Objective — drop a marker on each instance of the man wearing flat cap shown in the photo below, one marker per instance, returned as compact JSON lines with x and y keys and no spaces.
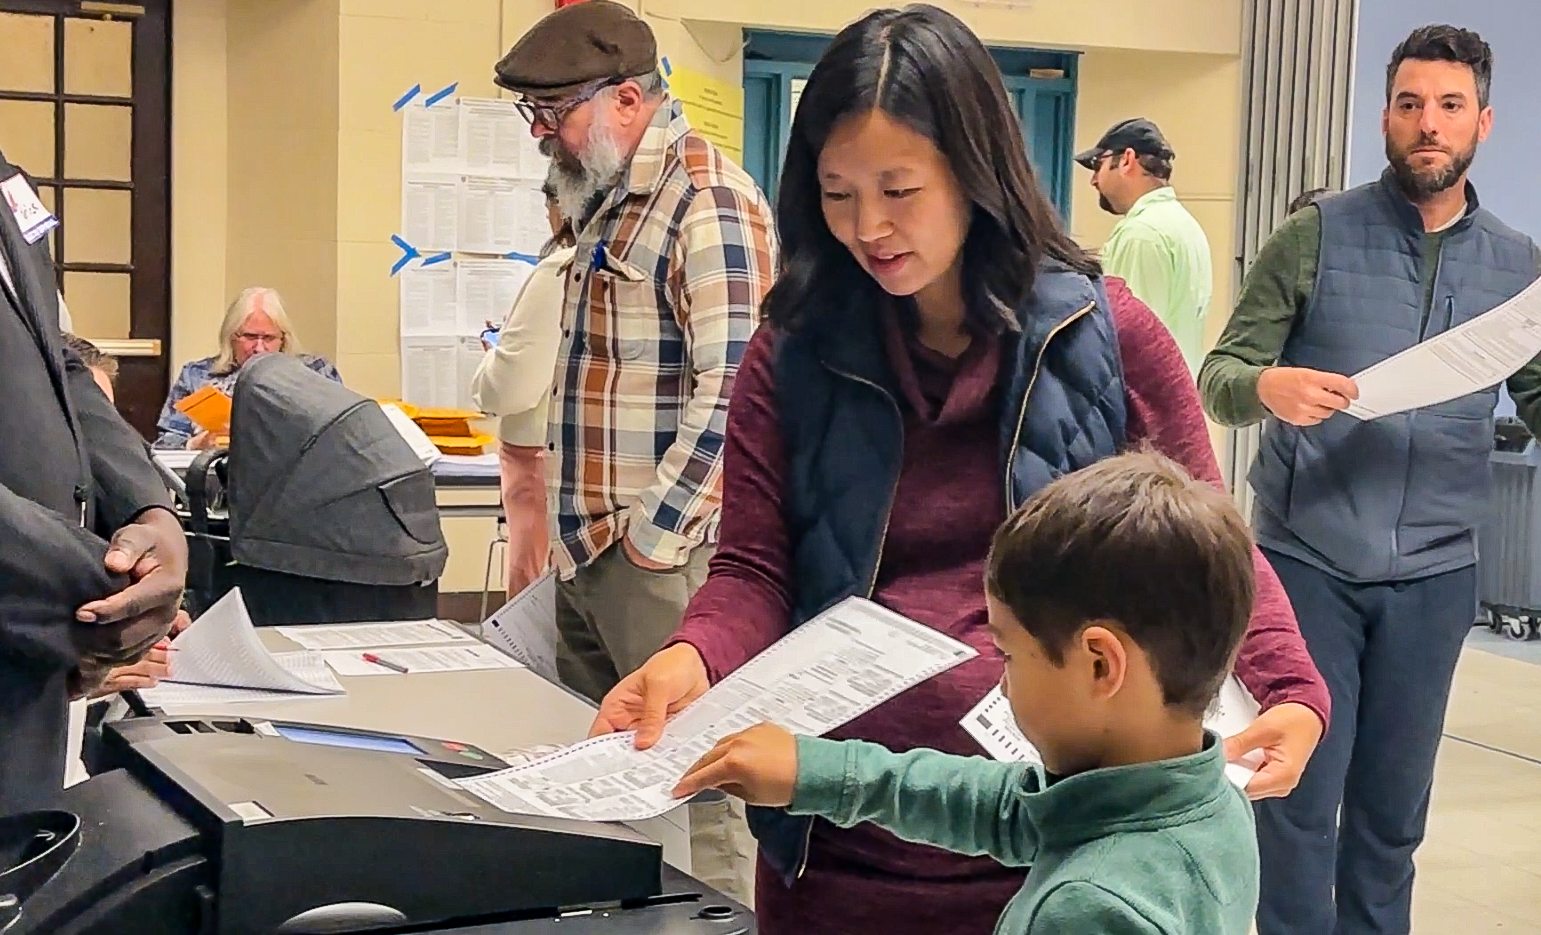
{"x":676,"y":248}
{"x":1157,"y":247}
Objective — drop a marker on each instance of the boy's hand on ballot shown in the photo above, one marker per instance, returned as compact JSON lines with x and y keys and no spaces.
{"x":758,"y":765}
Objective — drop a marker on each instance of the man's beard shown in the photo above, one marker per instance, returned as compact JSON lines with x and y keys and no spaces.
{"x":1105,"y":204}
{"x":580,"y":179}
{"x":1420,"y":184}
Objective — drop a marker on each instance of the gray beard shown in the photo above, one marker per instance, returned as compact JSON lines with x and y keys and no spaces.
{"x":582,"y":180}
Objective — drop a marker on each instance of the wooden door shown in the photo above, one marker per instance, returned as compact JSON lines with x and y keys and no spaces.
{"x":85,"y":96}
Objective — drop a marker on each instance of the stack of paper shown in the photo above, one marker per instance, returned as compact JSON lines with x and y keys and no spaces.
{"x":525,"y":627}
{"x":358,"y":649}
{"x":220,"y":659}
{"x":828,"y":671}
{"x":992,"y":724}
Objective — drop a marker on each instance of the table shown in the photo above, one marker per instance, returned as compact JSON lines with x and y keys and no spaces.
{"x":498,"y":710}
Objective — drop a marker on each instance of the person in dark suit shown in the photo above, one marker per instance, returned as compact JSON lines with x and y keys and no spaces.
{"x":94,"y":561}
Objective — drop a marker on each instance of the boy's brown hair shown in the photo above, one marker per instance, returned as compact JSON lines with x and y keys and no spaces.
{"x":1135,"y":541}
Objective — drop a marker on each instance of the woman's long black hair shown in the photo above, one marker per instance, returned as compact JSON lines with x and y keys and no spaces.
{"x":923,"y":67}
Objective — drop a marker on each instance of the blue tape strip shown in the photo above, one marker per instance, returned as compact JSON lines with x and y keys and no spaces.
{"x":522,"y":257}
{"x":436,"y":258}
{"x":438,"y":96}
{"x":667,"y":69}
{"x":408,"y":254}
{"x":406,"y":99}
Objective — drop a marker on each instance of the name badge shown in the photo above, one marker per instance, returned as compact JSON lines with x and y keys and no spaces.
{"x":34,"y":220}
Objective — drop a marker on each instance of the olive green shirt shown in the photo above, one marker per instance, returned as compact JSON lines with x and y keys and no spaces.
{"x":1276,"y":291}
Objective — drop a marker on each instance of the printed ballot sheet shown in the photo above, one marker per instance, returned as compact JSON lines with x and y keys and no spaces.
{"x":525,"y":627}
{"x":429,"y":305}
{"x":495,"y":140}
{"x":499,"y":215}
{"x":419,"y":659}
{"x":485,"y":291}
{"x":371,"y":635}
{"x":437,"y":371}
{"x":831,"y":669}
{"x":222,"y":649}
{"x":1470,"y":357}
{"x":430,"y":138}
{"x":993,"y":726}
{"x":430,"y":211}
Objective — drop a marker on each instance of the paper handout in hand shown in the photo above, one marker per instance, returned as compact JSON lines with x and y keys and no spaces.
{"x":222,"y":649}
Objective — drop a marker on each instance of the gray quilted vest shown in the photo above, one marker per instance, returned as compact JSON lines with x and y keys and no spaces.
{"x":1399,"y":497}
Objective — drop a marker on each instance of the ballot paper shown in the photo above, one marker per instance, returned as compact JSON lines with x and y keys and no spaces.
{"x":485,"y":291}
{"x":428,"y":303}
{"x":222,"y":649}
{"x":831,"y":669}
{"x":430,"y":138}
{"x":414,"y":660}
{"x":495,"y":139}
{"x":500,"y":215}
{"x":370,"y":635}
{"x":176,"y":698}
{"x":436,"y":372}
{"x":525,"y":627}
{"x":430,"y":211}
{"x":994,"y":727}
{"x":1470,"y":357}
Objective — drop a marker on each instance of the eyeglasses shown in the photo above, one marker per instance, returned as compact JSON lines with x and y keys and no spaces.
{"x":551,"y":116}
{"x":266,"y":340}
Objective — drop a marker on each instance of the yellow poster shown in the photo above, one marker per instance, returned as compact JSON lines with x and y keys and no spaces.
{"x":715,"y":108}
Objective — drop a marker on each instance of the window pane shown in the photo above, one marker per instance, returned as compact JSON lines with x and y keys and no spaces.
{"x":98,"y":226}
{"x":98,"y":304}
{"x":28,"y":62}
{"x":98,"y":142}
{"x":27,"y":132}
{"x":99,"y":57}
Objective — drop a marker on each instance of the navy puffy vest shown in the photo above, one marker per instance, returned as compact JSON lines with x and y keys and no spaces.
{"x":837,"y":399}
{"x":1398,"y":497}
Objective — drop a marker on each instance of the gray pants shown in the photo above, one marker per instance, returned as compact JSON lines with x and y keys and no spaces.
{"x":610,"y":618}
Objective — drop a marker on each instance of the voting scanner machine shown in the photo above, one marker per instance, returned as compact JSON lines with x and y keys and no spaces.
{"x":248,"y":826}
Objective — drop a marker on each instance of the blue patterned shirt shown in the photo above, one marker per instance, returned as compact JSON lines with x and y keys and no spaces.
{"x":176,"y":429}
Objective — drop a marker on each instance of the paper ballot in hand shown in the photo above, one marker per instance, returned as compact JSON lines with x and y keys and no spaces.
{"x":992,"y":724}
{"x":222,"y":649}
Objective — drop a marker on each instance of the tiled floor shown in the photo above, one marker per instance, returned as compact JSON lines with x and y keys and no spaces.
{"x":1480,"y":870}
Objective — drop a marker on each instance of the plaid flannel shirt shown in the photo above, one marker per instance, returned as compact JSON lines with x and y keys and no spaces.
{"x":663,"y":295}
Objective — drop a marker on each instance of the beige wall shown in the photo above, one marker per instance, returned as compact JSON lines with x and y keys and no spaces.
{"x":200,"y":176}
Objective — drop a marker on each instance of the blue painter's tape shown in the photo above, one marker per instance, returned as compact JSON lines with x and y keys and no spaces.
{"x":667,"y":68}
{"x":408,"y":254}
{"x":406,"y":99}
{"x":438,"y":96}
{"x":522,"y":257}
{"x":436,"y":258}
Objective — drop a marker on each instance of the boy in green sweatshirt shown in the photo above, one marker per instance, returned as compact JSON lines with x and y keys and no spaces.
{"x":1118,"y":597}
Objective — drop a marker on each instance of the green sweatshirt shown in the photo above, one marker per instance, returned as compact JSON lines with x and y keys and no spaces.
{"x":1276,"y":291}
{"x":1166,"y":847}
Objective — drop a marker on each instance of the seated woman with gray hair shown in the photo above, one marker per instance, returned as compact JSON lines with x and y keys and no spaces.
{"x":255,"y":323}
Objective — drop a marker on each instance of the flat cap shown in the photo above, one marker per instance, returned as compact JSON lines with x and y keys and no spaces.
{"x":577,"y":45}
{"x":1138,"y":134}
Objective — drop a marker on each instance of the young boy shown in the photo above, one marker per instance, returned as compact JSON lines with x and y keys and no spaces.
{"x":1118,"y":596}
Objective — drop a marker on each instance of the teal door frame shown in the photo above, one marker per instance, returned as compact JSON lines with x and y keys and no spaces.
{"x":1045,"y":105}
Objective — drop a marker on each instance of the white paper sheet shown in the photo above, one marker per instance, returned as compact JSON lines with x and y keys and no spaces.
{"x":525,"y":627}
{"x":74,"y":767}
{"x":831,"y":669}
{"x":176,"y":459}
{"x":222,"y":648}
{"x":412,"y":434}
{"x":428,"y":659}
{"x":502,"y":215}
{"x":430,"y":212}
{"x":430,"y":138}
{"x":495,"y":140}
{"x":482,"y":465}
{"x":370,"y":635}
{"x":1483,"y":352}
{"x":428,"y":300}
{"x":485,"y":291}
{"x":992,"y":725}
{"x":437,"y":371}
{"x":176,"y":698}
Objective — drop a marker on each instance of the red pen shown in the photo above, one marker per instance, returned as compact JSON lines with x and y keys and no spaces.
{"x":393,"y":666}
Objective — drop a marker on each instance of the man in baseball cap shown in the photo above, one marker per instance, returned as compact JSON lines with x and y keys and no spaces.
{"x":675,"y":249}
{"x":1157,"y":247}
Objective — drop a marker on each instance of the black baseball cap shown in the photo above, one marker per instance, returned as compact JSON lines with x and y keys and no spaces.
{"x":1137,"y":134}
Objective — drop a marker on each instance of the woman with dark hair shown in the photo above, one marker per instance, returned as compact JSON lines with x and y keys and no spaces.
{"x":939,"y":350}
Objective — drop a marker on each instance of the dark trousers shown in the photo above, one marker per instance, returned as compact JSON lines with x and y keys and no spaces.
{"x":1388,"y":653}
